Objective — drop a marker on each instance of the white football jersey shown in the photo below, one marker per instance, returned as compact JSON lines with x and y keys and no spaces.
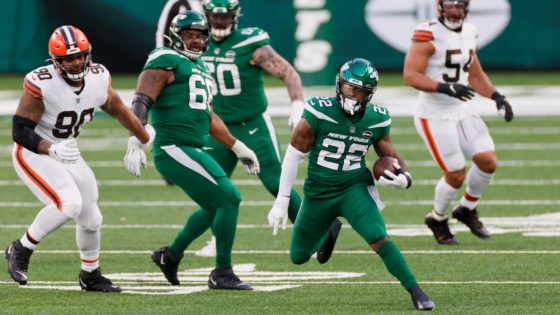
{"x":65,"y":111}
{"x":454,"y":53}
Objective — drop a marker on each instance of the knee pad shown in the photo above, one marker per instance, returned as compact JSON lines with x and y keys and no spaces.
{"x":90,"y":219}
{"x":72,"y":208}
{"x":299,"y":257}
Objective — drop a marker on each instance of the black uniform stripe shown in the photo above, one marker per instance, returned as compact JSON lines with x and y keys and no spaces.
{"x":67,"y":35}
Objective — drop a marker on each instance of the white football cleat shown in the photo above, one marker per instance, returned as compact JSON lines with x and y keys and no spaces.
{"x":209,"y":250}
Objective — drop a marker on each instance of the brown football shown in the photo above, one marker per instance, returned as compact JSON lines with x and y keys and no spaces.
{"x":382,"y":164}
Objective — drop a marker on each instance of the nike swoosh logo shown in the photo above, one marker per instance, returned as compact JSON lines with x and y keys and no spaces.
{"x":82,"y":283}
{"x":212,"y":280}
{"x":253,"y":131}
{"x":23,"y":275}
{"x":161,"y":260}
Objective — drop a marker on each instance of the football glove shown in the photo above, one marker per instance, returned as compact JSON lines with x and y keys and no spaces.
{"x":297,"y":111}
{"x":65,"y":151}
{"x":504,"y":109}
{"x":456,"y":90}
{"x":401,"y":180}
{"x":279,"y":213}
{"x":247,"y":157}
{"x":135,"y":156}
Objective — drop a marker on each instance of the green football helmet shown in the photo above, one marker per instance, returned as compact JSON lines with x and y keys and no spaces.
{"x":222,"y":16}
{"x":190,"y":20}
{"x":361,"y":75}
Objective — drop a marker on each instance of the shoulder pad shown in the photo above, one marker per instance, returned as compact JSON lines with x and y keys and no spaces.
{"x":423,"y":32}
{"x":252,"y":36}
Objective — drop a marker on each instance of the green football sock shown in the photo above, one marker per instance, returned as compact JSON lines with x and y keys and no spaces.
{"x":396,"y":264}
{"x":196,"y":225}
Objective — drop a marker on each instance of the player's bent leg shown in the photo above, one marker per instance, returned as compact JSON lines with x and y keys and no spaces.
{"x":51,"y":183}
{"x":325,"y":252}
{"x":310,"y":229}
{"x":206,"y":183}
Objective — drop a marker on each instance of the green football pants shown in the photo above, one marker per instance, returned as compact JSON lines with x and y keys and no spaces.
{"x":200,"y":177}
{"x":316,"y":216}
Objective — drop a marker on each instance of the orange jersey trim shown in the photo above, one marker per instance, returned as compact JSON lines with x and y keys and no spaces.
{"x":32,"y":89}
{"x":423,"y":36}
{"x":37,"y":180}
{"x":432,"y":144}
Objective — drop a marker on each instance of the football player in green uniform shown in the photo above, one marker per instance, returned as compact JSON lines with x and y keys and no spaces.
{"x":237,"y":59}
{"x":176,"y":89}
{"x":337,"y":132}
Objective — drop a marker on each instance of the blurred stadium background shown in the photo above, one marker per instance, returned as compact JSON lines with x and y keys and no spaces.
{"x":515,"y":272}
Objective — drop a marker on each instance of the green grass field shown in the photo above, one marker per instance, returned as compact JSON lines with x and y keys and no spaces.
{"x":515,"y":272}
{"x":14,"y":81}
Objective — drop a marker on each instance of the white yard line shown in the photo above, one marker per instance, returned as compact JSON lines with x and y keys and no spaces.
{"x":345,"y":252}
{"x":420,"y":163}
{"x":267,"y":203}
{"x":258,"y":183}
{"x":119,"y":145}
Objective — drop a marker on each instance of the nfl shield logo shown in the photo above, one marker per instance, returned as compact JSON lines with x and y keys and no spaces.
{"x":352,"y":129}
{"x":216,"y":51}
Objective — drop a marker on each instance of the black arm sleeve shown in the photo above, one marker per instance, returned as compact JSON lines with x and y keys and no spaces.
{"x":23,"y":133}
{"x":141,"y":103}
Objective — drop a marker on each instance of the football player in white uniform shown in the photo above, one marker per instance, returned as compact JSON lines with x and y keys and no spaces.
{"x":58,"y":100}
{"x":441,"y":63}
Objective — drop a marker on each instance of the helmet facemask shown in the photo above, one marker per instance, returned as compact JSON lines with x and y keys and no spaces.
{"x":70,"y":72}
{"x":454,"y":19}
{"x":356,"y":82}
{"x":222,"y":24}
{"x":222,"y":16}
{"x":178,"y":33}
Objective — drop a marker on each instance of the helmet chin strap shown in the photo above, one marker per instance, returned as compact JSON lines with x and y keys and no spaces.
{"x":453,"y":25}
{"x":349,"y":105}
{"x":221,"y":33}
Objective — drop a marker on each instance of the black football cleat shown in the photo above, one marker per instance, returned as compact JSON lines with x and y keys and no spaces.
{"x":94,"y":281}
{"x":470,"y":219}
{"x":420,"y":300}
{"x":441,"y":231}
{"x":18,"y":261}
{"x":168,"y":263}
{"x":224,"y":278}
{"x":325,"y":252}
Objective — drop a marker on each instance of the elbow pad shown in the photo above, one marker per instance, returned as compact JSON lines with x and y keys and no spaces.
{"x":23,"y":133}
{"x":141,"y":103}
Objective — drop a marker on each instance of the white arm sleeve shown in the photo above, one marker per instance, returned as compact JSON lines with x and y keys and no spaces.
{"x":290,"y":165}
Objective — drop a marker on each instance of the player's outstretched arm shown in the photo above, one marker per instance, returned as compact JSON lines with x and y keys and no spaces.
{"x":271,"y":62}
{"x":483,"y":86}
{"x":302,"y":139}
{"x":116,"y":108}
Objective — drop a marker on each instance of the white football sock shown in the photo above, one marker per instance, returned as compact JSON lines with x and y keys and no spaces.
{"x":88,"y":243}
{"x":48,"y":220}
{"x":443,"y":197}
{"x":477,"y":181}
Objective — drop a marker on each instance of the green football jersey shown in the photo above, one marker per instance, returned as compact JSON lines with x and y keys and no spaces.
{"x":181,"y":113}
{"x":336,"y":157}
{"x":238,"y":86}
